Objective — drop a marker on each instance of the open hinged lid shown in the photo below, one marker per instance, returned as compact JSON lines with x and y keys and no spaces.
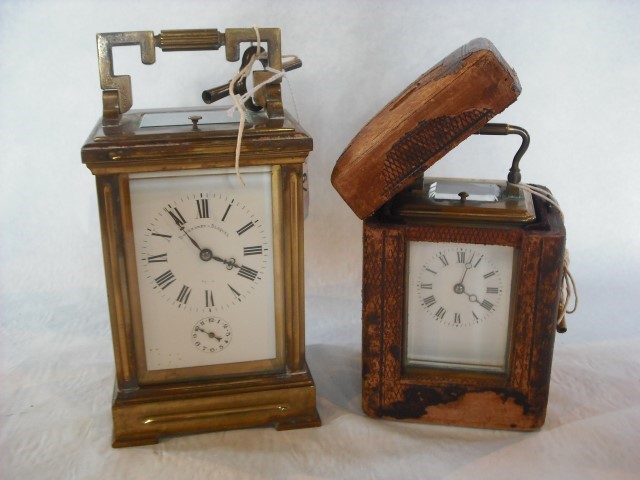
{"x":429,"y":118}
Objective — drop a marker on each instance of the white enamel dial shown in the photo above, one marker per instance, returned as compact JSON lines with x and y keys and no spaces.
{"x":204,"y":250}
{"x":458,"y":305}
{"x":217,"y":256}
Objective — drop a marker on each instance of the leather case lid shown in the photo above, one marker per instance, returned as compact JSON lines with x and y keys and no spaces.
{"x":428,"y":119}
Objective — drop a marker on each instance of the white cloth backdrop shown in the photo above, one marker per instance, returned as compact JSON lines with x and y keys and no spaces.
{"x":579,"y":65}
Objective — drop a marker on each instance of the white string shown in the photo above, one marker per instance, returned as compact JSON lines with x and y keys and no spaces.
{"x":568,"y":289}
{"x":540,"y":192}
{"x":277,"y":74}
{"x":239,"y":100}
{"x":238,"y":104}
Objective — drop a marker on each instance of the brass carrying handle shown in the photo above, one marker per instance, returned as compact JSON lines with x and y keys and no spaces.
{"x":504,"y":129}
{"x":116,"y":89}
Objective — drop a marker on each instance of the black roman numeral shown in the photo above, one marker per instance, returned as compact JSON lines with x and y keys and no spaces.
{"x":257,"y":250}
{"x":429,"y":270}
{"x":456,"y":319}
{"x":479,"y":260}
{"x":165,"y":279}
{"x":157,"y":258}
{"x":156,"y":234}
{"x":245,"y":228}
{"x":177,"y":216}
{"x":208,"y":299}
{"x":486,"y":304}
{"x":248,"y":273}
{"x":429,"y":301}
{"x":492,"y":290}
{"x":461,"y":256}
{"x":183,"y":296}
{"x":490,"y":274}
{"x":227,"y":211}
{"x":443,"y":259}
{"x":203,"y":207}
{"x":426,"y":286}
{"x":440,"y":313}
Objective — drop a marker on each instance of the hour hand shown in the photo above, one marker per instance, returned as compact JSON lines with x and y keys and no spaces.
{"x":209,"y":334}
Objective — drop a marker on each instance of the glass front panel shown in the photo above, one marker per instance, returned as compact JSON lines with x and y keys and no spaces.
{"x":205,"y":261}
{"x":458,"y":306}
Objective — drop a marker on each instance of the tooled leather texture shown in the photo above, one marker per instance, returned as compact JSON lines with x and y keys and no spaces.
{"x":423,"y":145}
{"x":386,"y":391}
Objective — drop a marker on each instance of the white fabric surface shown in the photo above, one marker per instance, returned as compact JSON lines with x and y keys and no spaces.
{"x":579,"y":65}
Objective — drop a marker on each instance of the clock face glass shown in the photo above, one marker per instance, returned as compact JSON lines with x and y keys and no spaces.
{"x":458,"y":305}
{"x":205,"y":261}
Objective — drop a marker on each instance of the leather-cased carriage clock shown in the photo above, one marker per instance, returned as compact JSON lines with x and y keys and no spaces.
{"x":461,"y":278}
{"x":204,"y":274}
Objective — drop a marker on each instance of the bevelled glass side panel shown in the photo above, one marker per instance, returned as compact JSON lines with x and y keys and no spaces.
{"x":475,"y":191}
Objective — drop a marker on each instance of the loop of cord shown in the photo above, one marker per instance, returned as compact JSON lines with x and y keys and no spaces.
{"x":236,"y":100}
{"x":568,"y":289}
{"x":239,"y":100}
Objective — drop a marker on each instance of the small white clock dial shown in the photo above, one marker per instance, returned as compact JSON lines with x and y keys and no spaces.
{"x":459,"y":286}
{"x":458,"y":305}
{"x":211,"y":334}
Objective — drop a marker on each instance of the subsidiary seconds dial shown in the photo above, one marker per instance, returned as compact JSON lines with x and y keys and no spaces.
{"x":459,"y":286}
{"x":211,"y":334}
{"x":205,"y":252}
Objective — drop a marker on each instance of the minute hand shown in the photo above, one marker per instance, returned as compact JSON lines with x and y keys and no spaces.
{"x":181,"y":227}
{"x":192,"y":240}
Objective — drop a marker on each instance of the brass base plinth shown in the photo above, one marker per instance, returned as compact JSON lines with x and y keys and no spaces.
{"x":142,"y":420}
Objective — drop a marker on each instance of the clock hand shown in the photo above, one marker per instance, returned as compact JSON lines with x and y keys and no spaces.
{"x":210,"y":334}
{"x":190,"y":238}
{"x":180,"y":225}
{"x":231,"y":264}
{"x":459,"y":289}
{"x":467,"y":267}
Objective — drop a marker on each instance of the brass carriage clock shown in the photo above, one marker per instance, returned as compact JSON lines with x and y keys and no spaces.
{"x":204,"y":271}
{"x":461,"y":278}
